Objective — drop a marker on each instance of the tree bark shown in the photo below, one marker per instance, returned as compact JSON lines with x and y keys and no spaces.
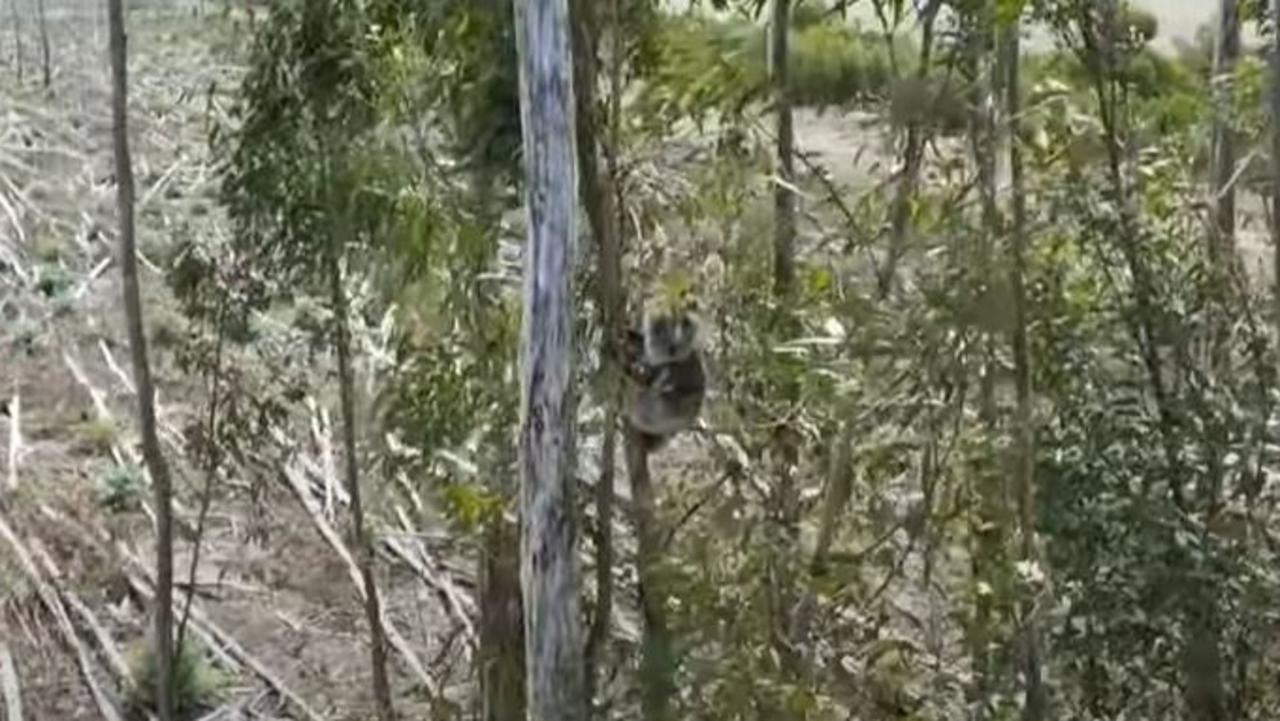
{"x":598,"y":192}
{"x":502,"y":672}
{"x":784,"y":199}
{"x":151,"y":452}
{"x":549,"y":573}
{"x":1222,"y":153}
{"x":359,"y":536}
{"x":1275,"y":164}
{"x":990,"y":525}
{"x":657,"y":662}
{"x":1035,"y":704}
{"x":1222,"y":161}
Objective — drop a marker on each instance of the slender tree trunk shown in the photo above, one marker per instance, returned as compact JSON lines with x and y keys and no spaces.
{"x":912,"y":159}
{"x":784,"y":199}
{"x":45,"y":55}
{"x":839,"y":489}
{"x":151,"y":453}
{"x":1222,"y":153}
{"x":360,"y":540}
{"x":1222,"y":160}
{"x":501,"y":650}
{"x":1275,"y":163}
{"x":502,"y":672}
{"x":1035,"y":705}
{"x":657,"y":662}
{"x":990,"y":524}
{"x":598,"y":196}
{"x":549,"y":572}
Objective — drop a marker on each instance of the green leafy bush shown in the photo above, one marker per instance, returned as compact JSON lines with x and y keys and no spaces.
{"x":196,"y":683}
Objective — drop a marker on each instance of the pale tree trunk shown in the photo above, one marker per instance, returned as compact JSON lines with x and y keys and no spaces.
{"x":45,"y":54}
{"x":1035,"y":702}
{"x":598,"y":197}
{"x":548,"y":571}
{"x":784,"y":199}
{"x":360,"y":541}
{"x":1275,"y":161}
{"x":151,"y":453}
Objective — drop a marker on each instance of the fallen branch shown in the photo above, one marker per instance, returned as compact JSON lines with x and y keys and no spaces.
{"x":53,"y":604}
{"x":398,"y":642}
{"x":9,"y":685}
{"x":447,"y":592}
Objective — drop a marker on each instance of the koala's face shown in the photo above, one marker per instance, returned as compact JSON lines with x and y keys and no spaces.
{"x":669,"y":338}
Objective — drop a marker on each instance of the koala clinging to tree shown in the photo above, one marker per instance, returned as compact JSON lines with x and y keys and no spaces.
{"x":665,"y":378}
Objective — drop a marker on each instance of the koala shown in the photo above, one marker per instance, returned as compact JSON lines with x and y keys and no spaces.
{"x":666,"y":380}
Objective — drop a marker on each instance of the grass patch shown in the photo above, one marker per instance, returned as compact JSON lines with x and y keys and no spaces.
{"x":120,"y":488}
{"x":197,"y":685}
{"x":98,"y":435}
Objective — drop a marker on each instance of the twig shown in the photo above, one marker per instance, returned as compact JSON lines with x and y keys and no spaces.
{"x":9,"y":684}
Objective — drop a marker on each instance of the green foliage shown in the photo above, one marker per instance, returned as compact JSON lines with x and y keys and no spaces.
{"x":712,"y":66}
{"x":197,"y":685}
{"x":307,"y":104}
{"x":52,"y":280}
{"x":120,"y":488}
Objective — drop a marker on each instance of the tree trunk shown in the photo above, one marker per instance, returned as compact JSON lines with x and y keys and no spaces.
{"x":990,"y":525}
{"x":549,"y":573}
{"x":598,"y":197}
{"x":502,"y":673}
{"x":1222,"y":162}
{"x":45,"y":54}
{"x":1222,"y":152}
{"x":784,"y":199}
{"x":152,"y":455}
{"x":657,"y":662}
{"x":1275,"y":163}
{"x":359,"y":537}
{"x":1035,"y":699}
